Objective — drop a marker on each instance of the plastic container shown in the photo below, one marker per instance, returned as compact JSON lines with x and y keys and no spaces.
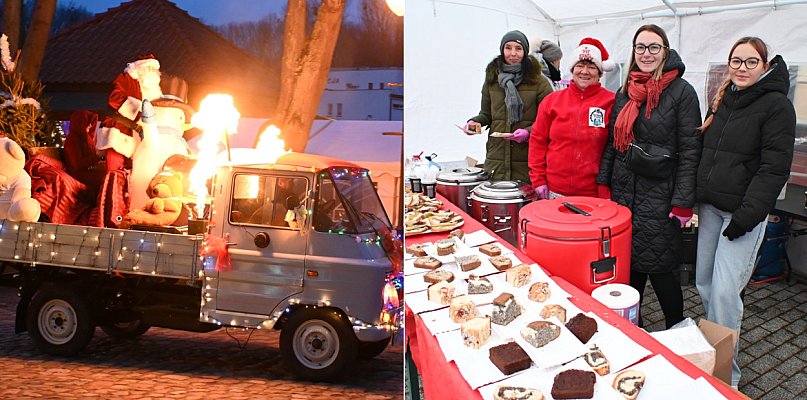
{"x":623,"y":299}
{"x":584,"y":240}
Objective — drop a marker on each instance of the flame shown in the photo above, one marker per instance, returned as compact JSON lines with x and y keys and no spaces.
{"x":270,"y":147}
{"x":217,"y":117}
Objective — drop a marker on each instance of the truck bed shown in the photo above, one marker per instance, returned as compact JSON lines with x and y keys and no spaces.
{"x":102,"y":249}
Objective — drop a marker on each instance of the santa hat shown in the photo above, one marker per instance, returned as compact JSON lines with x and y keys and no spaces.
{"x":144,"y":62}
{"x":591,"y":49}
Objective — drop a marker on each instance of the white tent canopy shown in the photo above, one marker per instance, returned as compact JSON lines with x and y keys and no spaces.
{"x":448,"y":43}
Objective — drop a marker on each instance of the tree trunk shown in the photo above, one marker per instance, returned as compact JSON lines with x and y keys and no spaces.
{"x":37,"y":39}
{"x":303,"y":81}
{"x":12,"y":22}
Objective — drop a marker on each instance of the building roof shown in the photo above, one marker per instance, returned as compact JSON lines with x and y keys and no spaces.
{"x":95,"y":51}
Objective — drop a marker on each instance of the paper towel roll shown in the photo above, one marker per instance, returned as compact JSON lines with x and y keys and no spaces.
{"x":623,"y":299}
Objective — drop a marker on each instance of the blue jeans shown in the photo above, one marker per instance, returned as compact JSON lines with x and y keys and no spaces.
{"x":723,"y":269}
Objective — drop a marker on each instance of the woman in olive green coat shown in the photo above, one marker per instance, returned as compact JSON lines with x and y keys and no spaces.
{"x":510,"y":96}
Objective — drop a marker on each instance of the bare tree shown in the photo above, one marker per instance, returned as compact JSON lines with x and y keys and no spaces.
{"x":305,"y":66}
{"x":37,"y":39}
{"x":12,"y":23}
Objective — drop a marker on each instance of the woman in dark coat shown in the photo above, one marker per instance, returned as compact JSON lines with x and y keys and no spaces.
{"x":511,"y":93}
{"x":747,"y":150}
{"x":655,"y":109}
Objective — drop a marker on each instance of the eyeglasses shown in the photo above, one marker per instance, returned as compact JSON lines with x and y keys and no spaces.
{"x":750,"y":63}
{"x":654,"y":48}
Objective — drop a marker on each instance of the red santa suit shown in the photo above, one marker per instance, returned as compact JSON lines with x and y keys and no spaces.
{"x":567,"y":139}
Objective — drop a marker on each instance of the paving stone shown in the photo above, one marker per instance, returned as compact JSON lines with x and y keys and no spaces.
{"x":780,"y":337}
{"x":752,"y":391}
{"x":791,"y":366}
{"x":796,"y":384}
{"x":769,"y":379}
{"x":778,"y":393}
{"x":798,"y":326}
{"x":775,"y":324}
{"x":764,"y":364}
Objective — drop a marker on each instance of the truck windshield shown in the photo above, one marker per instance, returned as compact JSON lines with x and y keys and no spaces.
{"x":347,"y":202}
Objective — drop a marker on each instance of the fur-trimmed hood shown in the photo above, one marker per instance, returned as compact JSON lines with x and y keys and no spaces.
{"x":531,"y":74}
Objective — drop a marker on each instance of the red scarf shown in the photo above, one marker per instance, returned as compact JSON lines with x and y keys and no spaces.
{"x":641,"y":87}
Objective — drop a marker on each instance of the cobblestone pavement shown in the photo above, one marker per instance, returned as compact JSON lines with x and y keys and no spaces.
{"x":168,"y":364}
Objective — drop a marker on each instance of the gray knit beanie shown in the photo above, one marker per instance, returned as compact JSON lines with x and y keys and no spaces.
{"x":515,"y":36}
{"x":550,"y":51}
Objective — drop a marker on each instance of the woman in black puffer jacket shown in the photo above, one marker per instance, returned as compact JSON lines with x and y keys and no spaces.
{"x":658,"y":108}
{"x":748,"y":147}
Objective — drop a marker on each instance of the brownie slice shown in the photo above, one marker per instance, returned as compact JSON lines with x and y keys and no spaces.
{"x":583,"y":327}
{"x":574,"y":384}
{"x":510,"y":358}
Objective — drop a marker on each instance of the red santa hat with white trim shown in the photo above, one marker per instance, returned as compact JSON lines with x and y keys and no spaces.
{"x":591,"y":49}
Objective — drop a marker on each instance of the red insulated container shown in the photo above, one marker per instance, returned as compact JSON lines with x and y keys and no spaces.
{"x":584,"y":240}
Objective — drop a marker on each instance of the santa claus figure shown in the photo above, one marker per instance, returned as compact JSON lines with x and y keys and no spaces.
{"x":139,"y":80}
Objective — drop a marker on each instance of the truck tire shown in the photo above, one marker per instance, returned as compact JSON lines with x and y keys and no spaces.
{"x":59,"y":321}
{"x":317,"y":344}
{"x":126,"y":330}
{"x":368,"y":350}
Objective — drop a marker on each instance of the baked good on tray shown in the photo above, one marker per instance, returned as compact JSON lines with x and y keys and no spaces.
{"x":629,"y":383}
{"x":596,"y":360}
{"x":417,"y":250}
{"x":461,"y":309}
{"x":539,"y":291}
{"x":441,"y":292}
{"x":445,"y":246}
{"x":510,"y":358}
{"x":517,"y":393}
{"x":490,"y":249}
{"x":501,"y":262}
{"x":574,"y":384}
{"x":479,"y":285}
{"x":540,"y":333}
{"x":582,"y":326}
{"x":468,"y":262}
{"x":457,"y":233}
{"x":427,"y":262}
{"x":519,"y":275}
{"x":505,"y":309}
{"x":554,"y":310}
{"x":438,"y":275}
{"x":475,"y":332}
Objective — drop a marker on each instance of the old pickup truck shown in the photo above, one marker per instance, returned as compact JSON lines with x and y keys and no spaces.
{"x":302,"y":248}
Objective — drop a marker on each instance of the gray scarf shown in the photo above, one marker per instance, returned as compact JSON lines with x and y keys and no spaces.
{"x":510,"y":77}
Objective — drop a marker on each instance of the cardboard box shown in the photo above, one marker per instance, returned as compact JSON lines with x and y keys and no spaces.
{"x":689,"y":343}
{"x":723,"y":340}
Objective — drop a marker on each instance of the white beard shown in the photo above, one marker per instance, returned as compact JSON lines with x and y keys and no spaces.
{"x":150,"y":84}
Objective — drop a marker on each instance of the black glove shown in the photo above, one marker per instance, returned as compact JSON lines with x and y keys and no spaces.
{"x":733,"y":231}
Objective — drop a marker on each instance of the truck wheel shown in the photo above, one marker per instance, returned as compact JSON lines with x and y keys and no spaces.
{"x":368,"y":350}
{"x":126,"y":330}
{"x":317,"y":344}
{"x":59,"y":321}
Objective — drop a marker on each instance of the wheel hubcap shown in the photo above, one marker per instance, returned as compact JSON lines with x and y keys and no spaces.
{"x":316,"y":344}
{"x":57,"y":321}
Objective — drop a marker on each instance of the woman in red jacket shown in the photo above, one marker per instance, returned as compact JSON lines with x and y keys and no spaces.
{"x":570,"y":130}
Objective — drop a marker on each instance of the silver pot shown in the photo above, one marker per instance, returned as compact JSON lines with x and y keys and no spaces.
{"x":456,"y":185}
{"x":496,"y":205}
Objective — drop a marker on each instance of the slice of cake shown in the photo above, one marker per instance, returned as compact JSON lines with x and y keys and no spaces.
{"x":475,"y":332}
{"x":490,"y":249}
{"x":540,"y":333}
{"x":539,"y":291}
{"x":517,"y":393}
{"x":554,"y":310}
{"x":427,"y":262}
{"x":510,"y":358}
{"x":596,"y":360}
{"x":445,"y":246}
{"x":505,"y":309}
{"x":501,"y":262}
{"x":519,"y":275}
{"x":628,"y":383}
{"x":462,"y":309}
{"x":468,"y":262}
{"x":582,"y":326}
{"x":438,"y":275}
{"x":457,"y":233}
{"x":574,"y":384}
{"x":479,"y":285}
{"x":417,"y":250}
{"x":441,"y":292}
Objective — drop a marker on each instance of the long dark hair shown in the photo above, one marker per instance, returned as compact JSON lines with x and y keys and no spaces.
{"x":632,"y":66}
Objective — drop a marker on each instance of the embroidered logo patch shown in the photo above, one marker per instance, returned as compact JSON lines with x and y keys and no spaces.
{"x":596,"y":117}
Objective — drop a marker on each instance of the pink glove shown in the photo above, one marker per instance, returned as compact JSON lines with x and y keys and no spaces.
{"x":520,"y":136}
{"x":542,"y":192}
{"x":469,"y":128}
{"x":683,"y":215}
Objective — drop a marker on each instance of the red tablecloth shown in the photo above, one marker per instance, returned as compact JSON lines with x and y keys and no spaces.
{"x":442,"y":380}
